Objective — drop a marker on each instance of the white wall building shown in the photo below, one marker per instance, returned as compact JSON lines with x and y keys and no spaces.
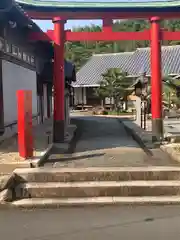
{"x":15,"y":77}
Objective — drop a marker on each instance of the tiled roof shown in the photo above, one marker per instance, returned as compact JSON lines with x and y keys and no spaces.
{"x":170,"y":57}
{"x":100,"y":4}
{"x":14,"y":9}
{"x":91,"y":72}
{"x":133,"y":63}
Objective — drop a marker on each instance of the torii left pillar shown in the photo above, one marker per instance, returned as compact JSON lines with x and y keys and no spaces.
{"x":59,"y":113}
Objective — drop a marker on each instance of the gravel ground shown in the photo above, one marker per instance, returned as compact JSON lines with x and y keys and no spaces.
{"x":9,"y":148}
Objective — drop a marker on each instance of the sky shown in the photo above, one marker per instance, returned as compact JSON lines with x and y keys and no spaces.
{"x":46,"y":25}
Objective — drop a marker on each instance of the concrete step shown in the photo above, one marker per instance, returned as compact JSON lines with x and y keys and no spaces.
{"x":97,"y":201}
{"x":97,"y":174}
{"x":97,"y":189}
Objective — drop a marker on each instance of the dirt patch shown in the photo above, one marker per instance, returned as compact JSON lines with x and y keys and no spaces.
{"x":9,"y":155}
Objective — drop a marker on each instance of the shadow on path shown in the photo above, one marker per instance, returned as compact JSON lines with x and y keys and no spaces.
{"x":98,"y":133}
{"x":101,"y":141}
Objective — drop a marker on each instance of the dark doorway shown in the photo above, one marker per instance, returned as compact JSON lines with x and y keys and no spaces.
{"x":91,"y":97}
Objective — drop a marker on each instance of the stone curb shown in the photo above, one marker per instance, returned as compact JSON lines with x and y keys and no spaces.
{"x":168,"y":148}
{"x":44,"y":156}
{"x":94,"y":202}
{"x":136,"y":136}
{"x":7,"y":182}
{"x":7,"y":190}
{"x":115,"y":116}
{"x":53,"y":147}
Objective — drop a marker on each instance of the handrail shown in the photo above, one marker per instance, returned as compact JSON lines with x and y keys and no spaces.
{"x":15,"y":122}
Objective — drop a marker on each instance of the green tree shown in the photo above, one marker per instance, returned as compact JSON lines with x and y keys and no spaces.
{"x":113,"y":86}
{"x":172,"y":84}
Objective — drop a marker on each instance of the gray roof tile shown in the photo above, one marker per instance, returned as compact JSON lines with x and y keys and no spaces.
{"x":133,"y":63}
{"x":91,"y":72}
{"x":170,"y":57}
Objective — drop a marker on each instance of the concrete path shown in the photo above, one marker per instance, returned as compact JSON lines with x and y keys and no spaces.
{"x":101,"y":223}
{"x":104,"y":142}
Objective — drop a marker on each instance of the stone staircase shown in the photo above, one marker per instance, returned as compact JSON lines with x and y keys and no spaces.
{"x":57,"y":187}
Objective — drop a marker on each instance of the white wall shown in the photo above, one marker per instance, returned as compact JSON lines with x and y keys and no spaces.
{"x":107,"y":101}
{"x":45,"y":100}
{"x":78,"y":95}
{"x":16,"y":78}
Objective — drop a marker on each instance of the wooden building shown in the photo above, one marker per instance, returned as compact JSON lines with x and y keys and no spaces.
{"x":24,"y":65}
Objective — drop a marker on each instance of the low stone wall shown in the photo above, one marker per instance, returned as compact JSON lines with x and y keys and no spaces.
{"x":140,"y":134}
{"x":173,"y":150}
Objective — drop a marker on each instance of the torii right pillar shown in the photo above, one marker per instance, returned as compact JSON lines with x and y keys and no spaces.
{"x":156,"y":81}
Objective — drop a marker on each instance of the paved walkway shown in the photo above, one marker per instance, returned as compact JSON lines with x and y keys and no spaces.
{"x":104,"y":142}
{"x":142,"y":223}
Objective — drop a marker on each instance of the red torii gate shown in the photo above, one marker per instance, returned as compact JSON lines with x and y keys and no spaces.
{"x":59,"y":36}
